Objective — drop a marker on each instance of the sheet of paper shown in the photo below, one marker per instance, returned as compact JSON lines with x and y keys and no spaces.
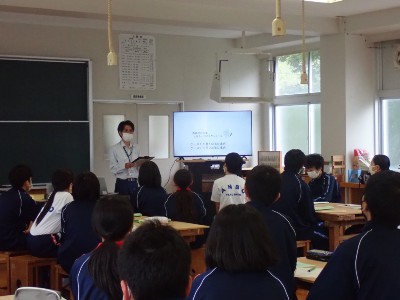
{"x":326,"y":207}
{"x":303,"y":272}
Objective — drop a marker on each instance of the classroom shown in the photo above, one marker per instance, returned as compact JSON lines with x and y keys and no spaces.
{"x":356,"y":93}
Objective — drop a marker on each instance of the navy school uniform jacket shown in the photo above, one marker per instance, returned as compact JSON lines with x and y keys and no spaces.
{"x":17,"y":210}
{"x":283,"y":237}
{"x":296,"y":203}
{"x":216,"y":284}
{"x":81,"y":282}
{"x":325,"y":188}
{"x":149,"y":201}
{"x":78,"y":237}
{"x":363,"y":267}
{"x":171,"y":212}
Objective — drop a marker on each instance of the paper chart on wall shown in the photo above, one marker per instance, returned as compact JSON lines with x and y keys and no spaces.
{"x":137,"y":62}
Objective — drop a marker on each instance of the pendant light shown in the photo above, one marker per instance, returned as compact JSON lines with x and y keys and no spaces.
{"x":278,"y":25}
{"x":112,"y":59}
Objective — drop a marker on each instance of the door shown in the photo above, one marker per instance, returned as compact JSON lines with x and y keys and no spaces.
{"x":152,"y":137}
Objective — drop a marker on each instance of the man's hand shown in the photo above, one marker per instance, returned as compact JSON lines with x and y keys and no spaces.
{"x":129,"y":165}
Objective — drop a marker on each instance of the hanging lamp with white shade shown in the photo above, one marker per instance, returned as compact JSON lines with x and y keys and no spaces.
{"x":278,"y":25}
{"x":112,"y":58}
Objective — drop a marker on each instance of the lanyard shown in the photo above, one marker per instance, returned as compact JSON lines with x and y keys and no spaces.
{"x":128,"y":155}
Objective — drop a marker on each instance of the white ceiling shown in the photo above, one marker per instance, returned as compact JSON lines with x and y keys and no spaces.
{"x":211,"y":18}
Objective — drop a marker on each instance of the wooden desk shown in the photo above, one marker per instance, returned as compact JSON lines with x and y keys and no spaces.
{"x":337,"y":219}
{"x":189,"y":232}
{"x":310,"y":277}
{"x":352,"y":192}
{"x":8,"y":297}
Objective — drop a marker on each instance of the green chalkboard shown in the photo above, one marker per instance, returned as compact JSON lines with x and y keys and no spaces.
{"x":43,"y":116}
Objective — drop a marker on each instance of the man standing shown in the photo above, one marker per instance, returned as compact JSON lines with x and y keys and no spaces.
{"x":122,"y":156}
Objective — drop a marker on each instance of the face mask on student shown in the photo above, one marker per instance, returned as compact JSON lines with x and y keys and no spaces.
{"x":127,"y":137}
{"x":313,"y":174}
{"x":371,"y":170}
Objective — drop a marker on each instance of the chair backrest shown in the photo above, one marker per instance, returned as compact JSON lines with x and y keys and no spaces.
{"x":338,"y":167}
{"x":103,"y":186}
{"x":35,"y":293}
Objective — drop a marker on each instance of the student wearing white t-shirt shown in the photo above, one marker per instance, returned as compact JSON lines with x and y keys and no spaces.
{"x":230,"y":188}
{"x":42,"y":240}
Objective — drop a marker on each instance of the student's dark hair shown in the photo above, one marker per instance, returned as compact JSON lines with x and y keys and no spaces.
{"x":18,"y":175}
{"x":86,"y":187}
{"x":382,"y":194}
{"x":112,"y":219}
{"x":122,"y":125}
{"x":239,"y":240}
{"x":149,"y":175}
{"x":234,"y":163}
{"x":294,"y":160}
{"x":382,"y":161}
{"x":155,"y":262}
{"x":184,"y":197}
{"x":314,"y":161}
{"x":61,"y":180}
{"x":263,"y":183}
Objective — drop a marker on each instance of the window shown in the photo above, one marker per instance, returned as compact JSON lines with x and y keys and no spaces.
{"x":298,"y":127}
{"x":391,"y":129}
{"x":297,"y":118}
{"x":288,"y":71}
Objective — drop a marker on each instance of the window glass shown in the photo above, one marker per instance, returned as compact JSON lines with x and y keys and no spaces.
{"x":288,"y":72}
{"x":315,"y":128}
{"x":158,"y":136}
{"x":110,"y":135}
{"x":391,"y":130}
{"x":298,"y":127}
{"x":315,"y":72}
{"x":291,"y":128}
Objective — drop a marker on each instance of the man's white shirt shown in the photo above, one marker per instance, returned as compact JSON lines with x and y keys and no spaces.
{"x":120,"y":154}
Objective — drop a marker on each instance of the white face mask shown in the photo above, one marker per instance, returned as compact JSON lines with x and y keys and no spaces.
{"x":371,"y":170}
{"x":127,"y":137}
{"x":313,"y":174}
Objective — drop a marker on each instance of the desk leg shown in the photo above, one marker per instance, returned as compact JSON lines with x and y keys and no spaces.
{"x":334,"y":234}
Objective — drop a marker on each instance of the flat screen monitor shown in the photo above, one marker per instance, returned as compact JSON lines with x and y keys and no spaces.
{"x":212,"y":133}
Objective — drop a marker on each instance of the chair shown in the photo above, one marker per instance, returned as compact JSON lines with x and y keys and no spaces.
{"x":26,"y":271}
{"x":5,"y":280}
{"x":59,"y":276}
{"x":25,"y":293}
{"x":338,"y":168}
{"x":305,"y":245}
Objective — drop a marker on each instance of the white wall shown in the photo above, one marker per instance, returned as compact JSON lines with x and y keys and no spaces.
{"x":348,"y":95}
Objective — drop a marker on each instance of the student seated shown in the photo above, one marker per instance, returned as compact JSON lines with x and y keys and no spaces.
{"x":262,"y":187}
{"x":323,"y":186}
{"x":154,"y":264}
{"x":95,"y":275}
{"x":42,"y":239}
{"x":185,"y":205}
{"x":150,"y":197}
{"x":230,"y":188}
{"x":239,"y":254}
{"x":367,"y":265}
{"x":17,"y":210}
{"x":379,"y":163}
{"x":77,"y":234}
{"x":295,"y":202}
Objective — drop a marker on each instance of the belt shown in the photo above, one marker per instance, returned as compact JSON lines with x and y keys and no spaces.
{"x":127,"y":179}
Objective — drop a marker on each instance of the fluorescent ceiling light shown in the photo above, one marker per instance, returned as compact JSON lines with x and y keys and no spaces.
{"x":324,"y":1}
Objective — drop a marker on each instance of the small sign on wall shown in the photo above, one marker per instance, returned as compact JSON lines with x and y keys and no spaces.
{"x":137,"y":62}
